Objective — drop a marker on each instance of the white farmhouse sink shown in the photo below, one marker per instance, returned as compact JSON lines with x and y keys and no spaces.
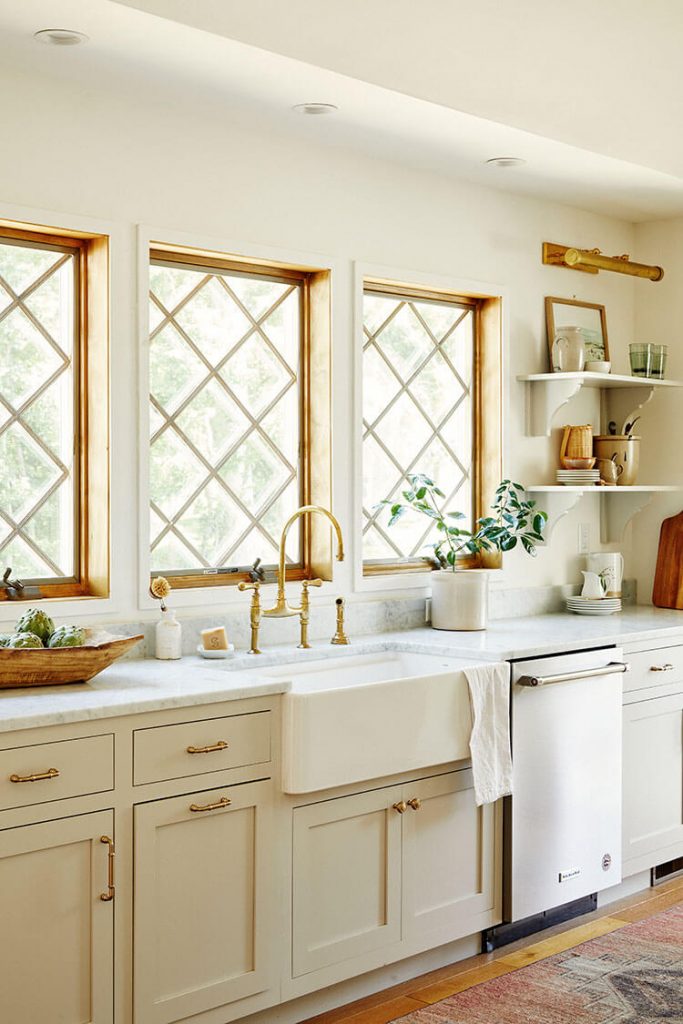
{"x":371,"y":715}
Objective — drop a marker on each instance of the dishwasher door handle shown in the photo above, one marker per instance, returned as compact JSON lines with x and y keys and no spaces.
{"x":568,"y":677}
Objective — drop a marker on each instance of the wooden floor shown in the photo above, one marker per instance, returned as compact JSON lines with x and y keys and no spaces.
{"x":391,"y":1003}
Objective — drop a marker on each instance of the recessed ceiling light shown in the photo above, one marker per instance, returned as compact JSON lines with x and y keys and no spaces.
{"x":315,"y":108}
{"x":60,"y":36}
{"x":506,"y":161}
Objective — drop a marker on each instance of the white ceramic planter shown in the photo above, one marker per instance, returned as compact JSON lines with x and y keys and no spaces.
{"x":460,"y":599}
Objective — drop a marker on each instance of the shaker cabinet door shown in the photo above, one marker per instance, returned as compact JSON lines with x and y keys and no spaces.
{"x":201,"y":901}
{"x":56,"y":934}
{"x":653,"y":782}
{"x":450,"y":854}
{"x":346,"y":899}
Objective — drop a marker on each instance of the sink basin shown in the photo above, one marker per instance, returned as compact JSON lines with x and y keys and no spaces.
{"x":367,"y":716}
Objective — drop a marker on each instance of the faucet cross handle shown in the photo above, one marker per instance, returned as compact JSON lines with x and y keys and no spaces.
{"x":254,"y":613}
{"x":305,"y":611}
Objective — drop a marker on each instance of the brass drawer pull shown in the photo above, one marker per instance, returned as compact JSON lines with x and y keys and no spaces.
{"x":107,"y":896}
{"x":223,"y":802}
{"x":221,"y":745}
{"x":415,"y":803}
{"x":667,"y":667}
{"x":51,"y":773}
{"x":401,"y":806}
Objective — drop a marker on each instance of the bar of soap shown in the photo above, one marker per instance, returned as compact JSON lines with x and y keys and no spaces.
{"x":214,"y":639}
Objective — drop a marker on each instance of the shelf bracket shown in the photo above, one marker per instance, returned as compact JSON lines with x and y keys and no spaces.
{"x":557,"y":504}
{"x":546,"y":399}
{"x":621,"y":404}
{"x":617,"y":508}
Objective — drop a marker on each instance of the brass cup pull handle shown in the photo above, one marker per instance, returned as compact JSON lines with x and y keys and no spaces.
{"x":108,"y":896}
{"x":666,"y":667}
{"x":415,"y":803}
{"x":221,"y":745}
{"x":51,"y":773}
{"x":401,"y":806}
{"x":223,"y":802}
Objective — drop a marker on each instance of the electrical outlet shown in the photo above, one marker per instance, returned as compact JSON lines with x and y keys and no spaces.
{"x":584,"y":537}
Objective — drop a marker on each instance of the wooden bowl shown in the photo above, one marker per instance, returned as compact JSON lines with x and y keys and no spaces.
{"x":36,"y":666}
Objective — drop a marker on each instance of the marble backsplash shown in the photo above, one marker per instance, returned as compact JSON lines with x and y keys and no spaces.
{"x":362,"y":618}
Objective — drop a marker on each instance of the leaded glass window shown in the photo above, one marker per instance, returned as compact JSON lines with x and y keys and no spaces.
{"x":225,"y":416}
{"x":418,"y":391}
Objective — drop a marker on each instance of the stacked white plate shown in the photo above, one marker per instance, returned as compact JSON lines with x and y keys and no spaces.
{"x":594,"y":605}
{"x":578,"y":477}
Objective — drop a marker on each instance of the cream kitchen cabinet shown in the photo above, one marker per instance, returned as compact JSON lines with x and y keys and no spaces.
{"x":652,"y":781}
{"x":56,"y":933}
{"x":202,"y":901}
{"x":391,"y":871}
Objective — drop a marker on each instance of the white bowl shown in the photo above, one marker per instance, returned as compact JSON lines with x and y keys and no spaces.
{"x":598,"y":366}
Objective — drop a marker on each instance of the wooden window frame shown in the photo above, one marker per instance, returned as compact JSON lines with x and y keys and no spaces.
{"x":315,"y":402}
{"x":487,"y":405}
{"x":91,"y":450}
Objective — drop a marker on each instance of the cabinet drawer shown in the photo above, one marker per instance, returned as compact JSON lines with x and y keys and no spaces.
{"x":654,"y":668}
{"x":197,"y":748}
{"x":55,"y":771}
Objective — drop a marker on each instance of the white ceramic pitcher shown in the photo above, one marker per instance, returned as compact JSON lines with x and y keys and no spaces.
{"x":592,"y":585}
{"x":609,"y":565}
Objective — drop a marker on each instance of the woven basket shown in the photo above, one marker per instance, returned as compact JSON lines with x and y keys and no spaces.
{"x":577,"y":443}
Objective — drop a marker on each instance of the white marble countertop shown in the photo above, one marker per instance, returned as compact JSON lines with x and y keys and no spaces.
{"x":136,"y":686}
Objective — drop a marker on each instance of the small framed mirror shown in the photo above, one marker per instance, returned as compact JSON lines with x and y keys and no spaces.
{"x":589,"y":317}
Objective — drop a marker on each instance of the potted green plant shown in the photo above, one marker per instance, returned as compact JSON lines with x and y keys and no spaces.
{"x":460,"y":595}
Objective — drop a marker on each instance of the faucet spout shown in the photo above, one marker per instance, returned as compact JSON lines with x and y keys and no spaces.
{"x":281,"y":607}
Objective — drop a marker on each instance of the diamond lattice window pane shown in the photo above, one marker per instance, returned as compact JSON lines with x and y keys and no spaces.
{"x":255,"y":472}
{"x":175,"y":473}
{"x":21,"y":266}
{"x":405,"y":342}
{"x":174,"y":369}
{"x":26,"y":358}
{"x":38,"y":490}
{"x":243,"y":334}
{"x":27,"y":472}
{"x":52,"y":305}
{"x":255,"y":375}
{"x":51,"y":529}
{"x":213,"y":524}
{"x":170,"y":285}
{"x":212,"y":421}
{"x":25,"y":561}
{"x":257,"y":296}
{"x":213,"y":320}
{"x":422,"y":421}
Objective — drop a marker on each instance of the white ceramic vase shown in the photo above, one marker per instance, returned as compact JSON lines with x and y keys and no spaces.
{"x":460,"y":599}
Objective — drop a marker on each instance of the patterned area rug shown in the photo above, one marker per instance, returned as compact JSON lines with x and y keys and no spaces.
{"x":630,"y":976}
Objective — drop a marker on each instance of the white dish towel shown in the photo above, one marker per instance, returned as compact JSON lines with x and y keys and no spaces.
{"x":489,"y":687}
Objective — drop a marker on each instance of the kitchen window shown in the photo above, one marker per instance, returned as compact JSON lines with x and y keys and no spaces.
{"x":232,"y":452}
{"x":53,"y":448}
{"x":422,"y":365}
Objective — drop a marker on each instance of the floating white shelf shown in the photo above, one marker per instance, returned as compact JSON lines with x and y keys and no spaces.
{"x":618,"y":505}
{"x":548,"y":392}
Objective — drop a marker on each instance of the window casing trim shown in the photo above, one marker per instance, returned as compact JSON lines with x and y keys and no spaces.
{"x":91,"y":394}
{"x":315,"y":449}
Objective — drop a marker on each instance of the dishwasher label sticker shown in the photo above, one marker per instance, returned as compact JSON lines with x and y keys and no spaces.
{"x":566,"y":876}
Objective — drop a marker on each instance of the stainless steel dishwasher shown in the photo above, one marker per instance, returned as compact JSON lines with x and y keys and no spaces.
{"x":563,"y":821}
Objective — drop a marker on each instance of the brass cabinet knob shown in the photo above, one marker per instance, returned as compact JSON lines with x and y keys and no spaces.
{"x":401,"y":806}
{"x":415,"y":803}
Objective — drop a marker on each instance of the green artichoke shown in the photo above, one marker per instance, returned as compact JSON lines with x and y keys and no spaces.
{"x":24,"y":639}
{"x":67,"y":636}
{"x":36,"y":621}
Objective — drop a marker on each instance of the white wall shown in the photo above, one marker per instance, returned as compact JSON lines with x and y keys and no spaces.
{"x":88,"y":154}
{"x":658,"y":318}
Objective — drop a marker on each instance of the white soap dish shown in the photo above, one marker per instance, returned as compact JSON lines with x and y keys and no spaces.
{"x":216,"y":654}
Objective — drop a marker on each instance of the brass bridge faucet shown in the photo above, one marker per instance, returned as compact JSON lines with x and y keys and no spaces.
{"x":282,"y":608}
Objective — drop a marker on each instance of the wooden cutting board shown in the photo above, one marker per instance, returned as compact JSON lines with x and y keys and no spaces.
{"x":668,"y":587}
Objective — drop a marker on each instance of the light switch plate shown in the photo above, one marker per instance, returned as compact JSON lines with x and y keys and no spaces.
{"x":584,"y":538}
